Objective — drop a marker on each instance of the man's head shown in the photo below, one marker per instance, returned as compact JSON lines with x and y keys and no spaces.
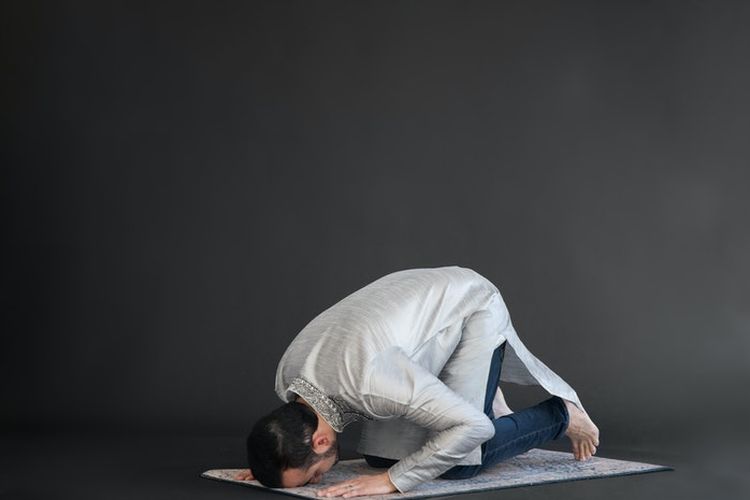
{"x":291,"y":447}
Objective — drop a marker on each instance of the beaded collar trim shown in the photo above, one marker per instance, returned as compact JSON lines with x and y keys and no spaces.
{"x":333,"y":409}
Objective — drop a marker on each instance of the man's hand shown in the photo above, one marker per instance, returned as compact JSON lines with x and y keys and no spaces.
{"x":379,"y":484}
{"x":244,"y":475}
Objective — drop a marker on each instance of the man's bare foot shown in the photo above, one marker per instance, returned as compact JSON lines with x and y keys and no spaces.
{"x":583,"y":434}
{"x":499,"y":407}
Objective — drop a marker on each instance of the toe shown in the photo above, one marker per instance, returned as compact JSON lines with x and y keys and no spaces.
{"x":581,"y":451}
{"x":586,"y":451}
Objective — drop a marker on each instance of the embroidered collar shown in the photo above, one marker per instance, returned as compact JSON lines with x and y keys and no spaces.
{"x":333,"y":409}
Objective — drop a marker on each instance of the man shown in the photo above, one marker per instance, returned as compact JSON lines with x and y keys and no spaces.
{"x":418,"y":356}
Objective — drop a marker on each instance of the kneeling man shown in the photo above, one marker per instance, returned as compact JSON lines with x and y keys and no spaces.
{"x":417,"y":355}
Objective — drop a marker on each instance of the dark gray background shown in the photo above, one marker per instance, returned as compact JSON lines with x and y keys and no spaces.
{"x":187,"y":184}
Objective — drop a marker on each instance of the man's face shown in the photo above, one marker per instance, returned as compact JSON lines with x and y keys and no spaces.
{"x":291,"y":478}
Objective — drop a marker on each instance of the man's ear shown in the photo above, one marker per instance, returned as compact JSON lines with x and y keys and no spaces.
{"x":320,"y":442}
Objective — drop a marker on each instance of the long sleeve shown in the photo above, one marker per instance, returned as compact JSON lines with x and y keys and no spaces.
{"x":398,"y":387}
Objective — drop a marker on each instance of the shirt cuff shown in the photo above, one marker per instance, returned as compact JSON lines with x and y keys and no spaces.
{"x":405,"y":480}
{"x":395,"y":482}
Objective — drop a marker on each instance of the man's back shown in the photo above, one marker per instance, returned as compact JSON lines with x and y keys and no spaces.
{"x":420,"y":312}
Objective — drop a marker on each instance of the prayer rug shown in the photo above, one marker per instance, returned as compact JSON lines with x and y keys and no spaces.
{"x":536,"y":466}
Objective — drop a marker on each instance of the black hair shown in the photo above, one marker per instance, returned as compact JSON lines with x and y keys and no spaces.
{"x":282,"y":440}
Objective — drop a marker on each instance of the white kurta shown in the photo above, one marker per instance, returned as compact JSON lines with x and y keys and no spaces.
{"x":410,"y":354}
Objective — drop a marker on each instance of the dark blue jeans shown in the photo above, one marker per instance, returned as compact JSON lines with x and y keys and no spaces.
{"x":514,"y":433}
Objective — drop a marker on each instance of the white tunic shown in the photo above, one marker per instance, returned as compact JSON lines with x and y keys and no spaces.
{"x":410,"y":354}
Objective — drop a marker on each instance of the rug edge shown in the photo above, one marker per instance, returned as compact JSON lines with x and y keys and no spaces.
{"x":656,"y":468}
{"x":652,"y":468}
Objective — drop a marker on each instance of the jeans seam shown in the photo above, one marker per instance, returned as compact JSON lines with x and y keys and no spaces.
{"x":508,"y":443}
{"x":566,"y":418}
{"x":473,"y":469}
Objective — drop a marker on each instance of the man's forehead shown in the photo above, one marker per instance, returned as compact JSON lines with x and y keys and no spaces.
{"x":291,"y":478}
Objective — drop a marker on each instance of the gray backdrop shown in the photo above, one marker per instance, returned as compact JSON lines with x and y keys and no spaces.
{"x":186,"y":185}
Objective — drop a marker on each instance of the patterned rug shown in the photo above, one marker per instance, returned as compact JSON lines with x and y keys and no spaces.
{"x":533,"y":467}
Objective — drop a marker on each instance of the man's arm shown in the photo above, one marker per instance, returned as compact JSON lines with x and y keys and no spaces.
{"x":398,"y":387}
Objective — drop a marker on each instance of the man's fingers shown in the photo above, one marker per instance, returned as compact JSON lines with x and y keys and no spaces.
{"x":334,"y":491}
{"x":379,"y":484}
{"x":338,"y":491}
{"x":586,"y":450}
{"x":351,"y":488}
{"x":244,"y":475}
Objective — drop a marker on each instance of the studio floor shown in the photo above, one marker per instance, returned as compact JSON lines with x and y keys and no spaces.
{"x":146,"y":466}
